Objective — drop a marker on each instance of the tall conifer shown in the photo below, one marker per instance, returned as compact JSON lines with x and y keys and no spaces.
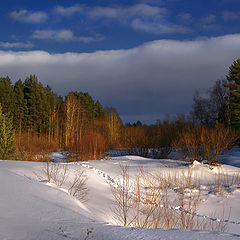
{"x":234,"y":93}
{"x":21,"y":107}
{"x":7,"y":137}
{"x":7,"y":97}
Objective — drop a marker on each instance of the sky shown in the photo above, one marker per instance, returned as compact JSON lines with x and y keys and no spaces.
{"x":145,"y":58}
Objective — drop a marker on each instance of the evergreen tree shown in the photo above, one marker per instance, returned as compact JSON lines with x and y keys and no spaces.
{"x":30,"y":93}
{"x":21,"y":107}
{"x":7,"y":97}
{"x":234,"y":93}
{"x":7,"y":137}
{"x":99,"y":111}
{"x":38,"y":106}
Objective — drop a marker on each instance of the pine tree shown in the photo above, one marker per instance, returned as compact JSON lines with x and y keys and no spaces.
{"x":37,"y":104}
{"x":21,"y":107}
{"x":7,"y":97}
{"x":7,"y":137}
{"x":99,"y":111}
{"x":234,"y":93}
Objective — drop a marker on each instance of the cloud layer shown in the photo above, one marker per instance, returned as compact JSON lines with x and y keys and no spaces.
{"x":64,"y":35}
{"x":68,"y":11}
{"x":138,"y":10}
{"x":141,"y":17}
{"x":144,"y":83}
{"x":16,"y":45}
{"x":29,"y":16}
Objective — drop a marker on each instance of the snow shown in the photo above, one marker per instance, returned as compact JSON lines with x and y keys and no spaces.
{"x":32,"y":209}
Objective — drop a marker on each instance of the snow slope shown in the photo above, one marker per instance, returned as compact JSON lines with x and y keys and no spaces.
{"x":32,"y":210}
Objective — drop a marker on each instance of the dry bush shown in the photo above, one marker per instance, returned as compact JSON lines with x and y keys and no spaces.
{"x":223,"y":182}
{"x":152,"y":141}
{"x":92,"y":146}
{"x":158,"y":201}
{"x":34,"y":147}
{"x":188,"y":144}
{"x":134,"y":137}
{"x":163,"y":200}
{"x":215,"y":141}
{"x":59,"y":174}
{"x":204,"y":143}
{"x":162,"y":139}
{"x":77,"y":187}
{"x":55,"y":173}
{"x":123,"y":198}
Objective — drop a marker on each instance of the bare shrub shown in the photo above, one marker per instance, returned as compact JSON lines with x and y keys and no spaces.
{"x":224,"y":182}
{"x":163,"y":200}
{"x":215,"y":141}
{"x":59,"y":174}
{"x":188,"y":144}
{"x":34,"y":147}
{"x":55,"y":173}
{"x":91,"y":146}
{"x":163,"y":137}
{"x":160,"y":201}
{"x":204,"y":143}
{"x":123,"y":198}
{"x":77,"y":187}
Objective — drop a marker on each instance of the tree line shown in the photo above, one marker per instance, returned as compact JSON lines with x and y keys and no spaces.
{"x":44,"y":122}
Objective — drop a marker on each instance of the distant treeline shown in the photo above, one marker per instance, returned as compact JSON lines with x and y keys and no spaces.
{"x":44,"y":122}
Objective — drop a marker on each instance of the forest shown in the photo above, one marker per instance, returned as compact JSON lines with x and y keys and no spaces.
{"x":36,"y":121}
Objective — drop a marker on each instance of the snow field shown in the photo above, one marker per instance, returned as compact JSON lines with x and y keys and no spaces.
{"x":32,"y":209}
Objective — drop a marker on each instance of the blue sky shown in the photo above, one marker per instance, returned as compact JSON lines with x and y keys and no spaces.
{"x":145,"y":58}
{"x":86,"y":26}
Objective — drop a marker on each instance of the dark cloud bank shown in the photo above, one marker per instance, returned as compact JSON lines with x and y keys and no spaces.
{"x":143,"y":83}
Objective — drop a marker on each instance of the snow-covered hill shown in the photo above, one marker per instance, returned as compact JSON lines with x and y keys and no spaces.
{"x":32,"y":210}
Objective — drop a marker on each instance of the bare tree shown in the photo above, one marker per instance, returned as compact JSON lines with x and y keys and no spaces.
{"x":213,"y":107}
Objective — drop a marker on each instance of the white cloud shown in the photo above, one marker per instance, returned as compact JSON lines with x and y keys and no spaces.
{"x":185,"y":17}
{"x":209,"y":23}
{"x":157,"y":27}
{"x":68,"y":11}
{"x":229,"y":16}
{"x":138,"y":10}
{"x":29,"y":16}
{"x":153,"y":79}
{"x":60,"y":35}
{"x":141,"y":17}
{"x":125,"y":12}
{"x":16,"y":45}
{"x":208,"y":19}
{"x":95,"y":38}
{"x":64,"y":35}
